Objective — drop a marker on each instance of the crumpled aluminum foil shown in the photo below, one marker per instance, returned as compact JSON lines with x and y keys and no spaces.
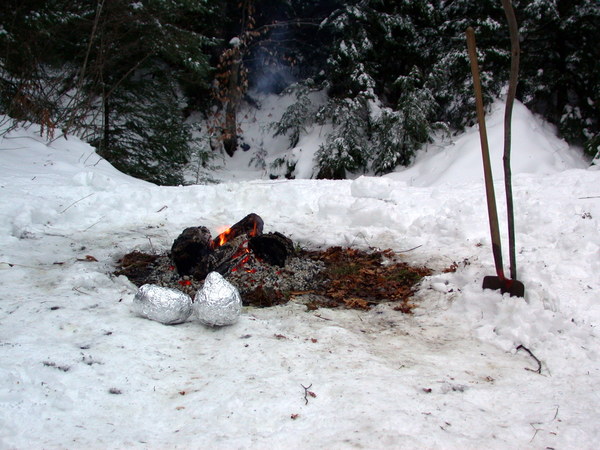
{"x":162,"y":304}
{"x":218,"y":303}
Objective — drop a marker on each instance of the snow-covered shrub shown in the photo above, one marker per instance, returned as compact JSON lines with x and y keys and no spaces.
{"x":399,"y":133}
{"x":297,"y":116}
{"x":347,"y":148}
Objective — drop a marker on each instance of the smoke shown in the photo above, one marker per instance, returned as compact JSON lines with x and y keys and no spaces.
{"x":272,"y":65}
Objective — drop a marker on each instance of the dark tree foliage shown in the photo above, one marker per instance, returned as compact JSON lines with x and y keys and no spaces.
{"x":409,"y":59}
{"x":561,"y":66}
{"x":380,"y":106}
{"x":109,"y":71}
{"x":126,"y":74}
{"x":450,"y":75}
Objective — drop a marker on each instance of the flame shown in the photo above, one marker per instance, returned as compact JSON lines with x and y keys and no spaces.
{"x":222,"y":238}
{"x":254,"y":231}
{"x":225,"y":237}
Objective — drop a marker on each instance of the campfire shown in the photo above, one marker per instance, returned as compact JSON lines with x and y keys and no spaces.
{"x":268,"y":269}
{"x":196,"y":254}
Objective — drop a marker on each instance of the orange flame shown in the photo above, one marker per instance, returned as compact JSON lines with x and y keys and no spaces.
{"x":223,"y":236}
{"x":254,"y":231}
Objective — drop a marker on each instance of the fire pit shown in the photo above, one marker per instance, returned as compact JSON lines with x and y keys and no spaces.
{"x":268,"y":269}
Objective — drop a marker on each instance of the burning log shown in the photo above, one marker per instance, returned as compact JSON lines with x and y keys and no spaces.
{"x":229,"y":255}
{"x":251,"y":225}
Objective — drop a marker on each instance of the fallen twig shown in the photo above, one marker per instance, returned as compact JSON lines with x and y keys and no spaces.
{"x":555,"y":414}
{"x":81,"y":292}
{"x":321,"y":317}
{"x":74,"y":203}
{"x":307,"y":393}
{"x":539,"y":369}
{"x":532,"y":425}
{"x":23,"y":265}
{"x":410,"y":249}
{"x":93,"y":224}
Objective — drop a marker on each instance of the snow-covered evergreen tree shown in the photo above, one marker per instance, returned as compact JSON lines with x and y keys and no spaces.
{"x":298,"y":115}
{"x":378,"y":55}
{"x":108,"y":73}
{"x":347,"y":148}
{"x":399,"y":133}
{"x":450,"y":78}
{"x":148,"y":137}
{"x":561,"y":66}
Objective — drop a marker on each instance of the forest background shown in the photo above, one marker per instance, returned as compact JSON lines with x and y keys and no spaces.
{"x":157,"y":85}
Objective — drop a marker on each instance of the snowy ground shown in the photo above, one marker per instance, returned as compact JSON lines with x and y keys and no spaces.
{"x":79,"y":370}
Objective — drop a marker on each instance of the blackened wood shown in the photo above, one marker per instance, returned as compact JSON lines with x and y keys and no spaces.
{"x":273,"y":248}
{"x":227,"y":256}
{"x":190,"y":251}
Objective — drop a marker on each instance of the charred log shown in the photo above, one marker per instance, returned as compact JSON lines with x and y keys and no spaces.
{"x":227,"y":256}
{"x":273,"y":248}
{"x":190,"y":252}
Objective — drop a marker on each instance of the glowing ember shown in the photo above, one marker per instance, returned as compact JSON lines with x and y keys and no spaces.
{"x":241,"y":263}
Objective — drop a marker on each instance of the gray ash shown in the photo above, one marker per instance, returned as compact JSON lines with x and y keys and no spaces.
{"x":259,"y":283}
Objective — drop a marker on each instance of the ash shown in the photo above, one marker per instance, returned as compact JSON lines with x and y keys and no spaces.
{"x":297,"y":275}
{"x":259,"y":283}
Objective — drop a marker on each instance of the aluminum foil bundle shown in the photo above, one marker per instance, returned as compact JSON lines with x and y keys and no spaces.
{"x":164,"y":305}
{"x":218,"y":303}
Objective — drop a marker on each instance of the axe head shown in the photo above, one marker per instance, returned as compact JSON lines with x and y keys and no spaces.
{"x":513,"y":287}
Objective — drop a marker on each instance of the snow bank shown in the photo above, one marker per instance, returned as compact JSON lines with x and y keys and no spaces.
{"x":535,"y":149}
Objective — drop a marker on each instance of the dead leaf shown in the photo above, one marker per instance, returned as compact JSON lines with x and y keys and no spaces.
{"x":88,"y":258}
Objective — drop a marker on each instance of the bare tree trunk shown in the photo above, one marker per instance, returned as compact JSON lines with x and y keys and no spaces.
{"x":230,"y":137}
{"x":105,"y":145}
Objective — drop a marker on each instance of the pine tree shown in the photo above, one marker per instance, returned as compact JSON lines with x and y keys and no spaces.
{"x":380,"y":49}
{"x":148,"y":136}
{"x":346,"y":149}
{"x":560,"y":66}
{"x":450,"y":77}
{"x":298,"y":116}
{"x":31,"y":89}
{"x":401,"y":132}
{"x":117,"y":70}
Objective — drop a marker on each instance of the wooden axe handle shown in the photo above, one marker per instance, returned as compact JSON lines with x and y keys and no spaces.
{"x":485,"y":153}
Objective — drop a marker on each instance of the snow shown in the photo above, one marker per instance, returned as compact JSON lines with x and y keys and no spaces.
{"x":535,"y":149}
{"x":81,"y":370}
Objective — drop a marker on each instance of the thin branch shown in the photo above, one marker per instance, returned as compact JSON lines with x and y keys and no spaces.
{"x":289,"y":23}
{"x":129,"y":72}
{"x":539,"y":369}
{"x":410,"y":249}
{"x":81,"y":77}
{"x":75,"y":202}
{"x":306,"y":392}
{"x":96,"y":223}
{"x":536,"y":431}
